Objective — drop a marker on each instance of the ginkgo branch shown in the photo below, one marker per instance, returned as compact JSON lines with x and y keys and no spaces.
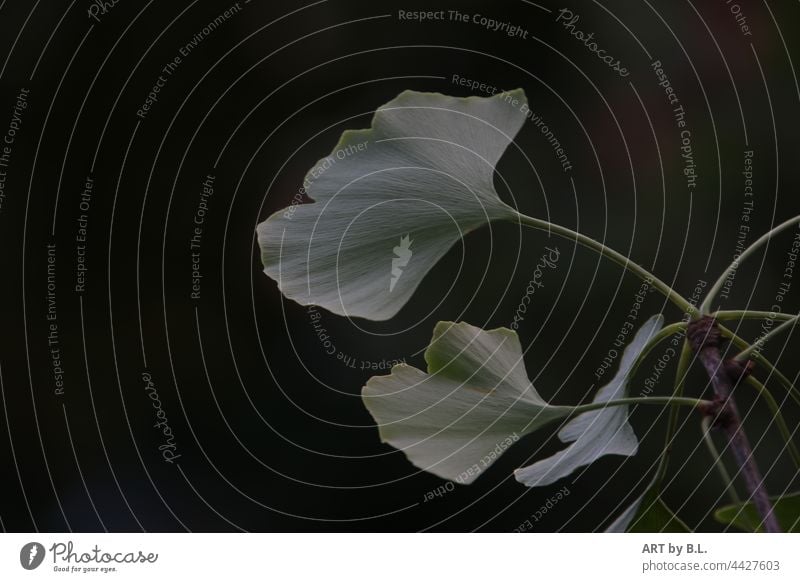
{"x":704,"y":336}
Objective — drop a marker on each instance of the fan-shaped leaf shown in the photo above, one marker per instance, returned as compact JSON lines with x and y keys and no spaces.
{"x":390,"y":201}
{"x":597,"y":433}
{"x":474,"y":402}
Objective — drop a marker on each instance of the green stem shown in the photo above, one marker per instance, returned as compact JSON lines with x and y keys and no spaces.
{"x":723,"y":472}
{"x":765,"y":363}
{"x":612,"y":255}
{"x":756,"y":348}
{"x":665,"y":333}
{"x":736,"y":315}
{"x":672,"y":425}
{"x":779,"y":420}
{"x":705,"y":307}
{"x":663,"y":400}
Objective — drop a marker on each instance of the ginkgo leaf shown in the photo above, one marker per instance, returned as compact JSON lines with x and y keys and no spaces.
{"x":648,"y":514}
{"x":474,"y":402}
{"x":390,"y":201}
{"x":597,"y":433}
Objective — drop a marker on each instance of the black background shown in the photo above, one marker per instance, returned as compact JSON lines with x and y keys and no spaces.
{"x":271,"y":431}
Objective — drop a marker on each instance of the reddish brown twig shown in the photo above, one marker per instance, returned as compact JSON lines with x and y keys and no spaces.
{"x":704,"y":336}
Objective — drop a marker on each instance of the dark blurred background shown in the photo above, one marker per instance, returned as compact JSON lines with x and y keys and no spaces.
{"x":269,"y":432}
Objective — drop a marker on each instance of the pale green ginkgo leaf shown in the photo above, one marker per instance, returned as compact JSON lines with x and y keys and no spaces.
{"x":597,"y":433}
{"x":390,"y":201}
{"x":474,"y":402}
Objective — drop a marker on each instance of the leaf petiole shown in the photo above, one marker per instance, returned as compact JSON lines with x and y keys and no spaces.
{"x":705,"y":425}
{"x":676,"y":298}
{"x":764,"y":362}
{"x":748,"y":314}
{"x":774,"y":408}
{"x":758,"y":345}
{"x":665,"y":333}
{"x":705,"y":307}
{"x":681,"y":371}
{"x":661,"y":400}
